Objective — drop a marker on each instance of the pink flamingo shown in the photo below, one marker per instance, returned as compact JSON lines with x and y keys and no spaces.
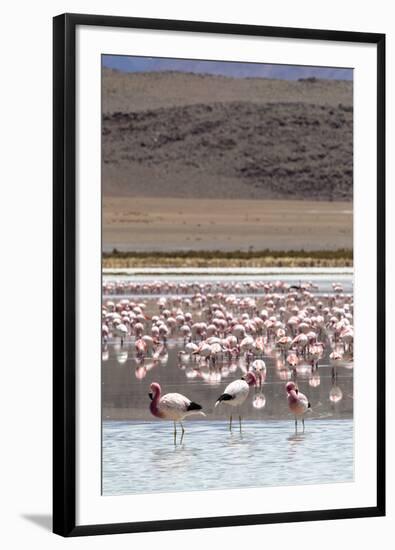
{"x":236,"y":393}
{"x":104,"y":333}
{"x":292,"y":360}
{"x":297,"y":402}
{"x":299,"y":342}
{"x":172,"y":406}
{"x":258,"y":367}
{"x":260,"y":344}
{"x":284,"y":342}
{"x":141,"y":346}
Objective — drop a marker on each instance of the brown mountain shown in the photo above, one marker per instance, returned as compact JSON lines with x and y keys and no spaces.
{"x":187,"y":135}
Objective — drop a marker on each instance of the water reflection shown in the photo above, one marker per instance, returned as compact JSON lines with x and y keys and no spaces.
{"x":336,"y":394}
{"x":127,"y":376}
{"x":105,"y":353}
{"x":122,"y":356}
{"x":259,"y":401}
{"x":315,"y":379}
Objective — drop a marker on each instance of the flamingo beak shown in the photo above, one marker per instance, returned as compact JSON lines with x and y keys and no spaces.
{"x":151,"y":395}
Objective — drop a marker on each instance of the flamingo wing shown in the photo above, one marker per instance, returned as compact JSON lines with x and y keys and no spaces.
{"x":174,"y":406}
{"x":303,"y":399}
{"x":236,"y":387}
{"x":174,"y":402}
{"x":235,"y":393}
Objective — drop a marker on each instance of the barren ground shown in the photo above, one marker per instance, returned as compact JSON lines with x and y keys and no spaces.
{"x":165,"y":224}
{"x":199,"y":162}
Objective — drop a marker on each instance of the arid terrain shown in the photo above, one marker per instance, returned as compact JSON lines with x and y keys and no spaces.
{"x":164,"y":224}
{"x":126,"y":92}
{"x":200,"y":162}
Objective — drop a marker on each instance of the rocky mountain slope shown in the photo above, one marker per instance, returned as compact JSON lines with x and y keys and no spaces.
{"x":180,"y":135}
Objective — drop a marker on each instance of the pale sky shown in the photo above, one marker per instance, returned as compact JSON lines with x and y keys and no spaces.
{"x":225,"y":68}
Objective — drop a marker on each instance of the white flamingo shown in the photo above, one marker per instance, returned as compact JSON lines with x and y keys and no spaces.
{"x":258,"y":367}
{"x":236,"y":393}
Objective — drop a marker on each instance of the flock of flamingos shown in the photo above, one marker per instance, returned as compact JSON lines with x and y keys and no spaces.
{"x":222,"y":325}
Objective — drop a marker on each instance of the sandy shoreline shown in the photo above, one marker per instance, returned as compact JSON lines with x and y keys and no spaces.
{"x":167,"y":224}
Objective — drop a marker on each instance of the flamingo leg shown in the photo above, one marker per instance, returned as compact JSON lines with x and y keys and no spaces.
{"x":175,"y":433}
{"x":240,"y":423}
{"x":183,"y":431}
{"x":296,"y":425}
{"x":303,"y":424}
{"x":230,"y":423}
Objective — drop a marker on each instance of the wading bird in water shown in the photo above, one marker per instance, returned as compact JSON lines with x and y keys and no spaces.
{"x":297,"y":402}
{"x":236,"y":393}
{"x":172,"y":406}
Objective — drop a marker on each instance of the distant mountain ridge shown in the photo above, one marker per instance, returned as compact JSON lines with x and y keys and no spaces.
{"x":127,"y":92}
{"x":231,"y":69}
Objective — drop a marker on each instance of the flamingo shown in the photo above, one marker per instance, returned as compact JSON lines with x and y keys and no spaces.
{"x":236,"y":393}
{"x":121,"y":331}
{"x":299,"y":342}
{"x":104,"y":333}
{"x":203,"y":349}
{"x":297,"y":402}
{"x":258,"y":367}
{"x":284,"y":342}
{"x":141,"y":346}
{"x":172,"y":406}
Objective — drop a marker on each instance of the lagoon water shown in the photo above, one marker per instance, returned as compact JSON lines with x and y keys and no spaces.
{"x":140,"y":457}
{"x":292,"y":276}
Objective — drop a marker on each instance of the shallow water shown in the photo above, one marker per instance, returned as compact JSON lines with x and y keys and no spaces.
{"x":126,"y":384}
{"x":324,"y":281}
{"x":140,"y":457}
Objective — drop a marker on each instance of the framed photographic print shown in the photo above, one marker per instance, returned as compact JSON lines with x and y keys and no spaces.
{"x":219,"y":274}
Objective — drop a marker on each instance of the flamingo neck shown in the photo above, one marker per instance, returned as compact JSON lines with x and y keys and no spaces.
{"x":155,"y":402}
{"x":293,"y":396}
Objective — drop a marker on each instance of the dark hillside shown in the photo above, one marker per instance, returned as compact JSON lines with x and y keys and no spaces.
{"x":235,"y":149}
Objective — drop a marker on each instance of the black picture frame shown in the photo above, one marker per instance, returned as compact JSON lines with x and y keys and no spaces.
{"x":64,"y":272}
